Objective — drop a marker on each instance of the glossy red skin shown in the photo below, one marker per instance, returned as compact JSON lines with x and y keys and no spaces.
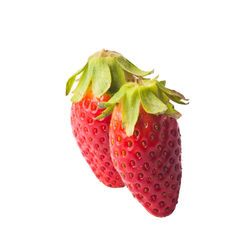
{"x":149,"y":162}
{"x":92,"y":137}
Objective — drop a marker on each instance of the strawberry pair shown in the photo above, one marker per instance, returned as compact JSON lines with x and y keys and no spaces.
{"x":126,"y":128}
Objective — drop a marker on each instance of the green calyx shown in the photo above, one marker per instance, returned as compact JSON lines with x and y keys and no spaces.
{"x":153,"y":96}
{"x":105,"y":72}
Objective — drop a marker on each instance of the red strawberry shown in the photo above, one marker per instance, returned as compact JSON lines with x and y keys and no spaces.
{"x":92,"y":138}
{"x":100,"y":78}
{"x":145,"y":144}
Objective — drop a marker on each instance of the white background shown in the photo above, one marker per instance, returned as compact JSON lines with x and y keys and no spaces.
{"x":49,"y":198}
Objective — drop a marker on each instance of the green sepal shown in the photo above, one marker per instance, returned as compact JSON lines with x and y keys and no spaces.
{"x":131,"y":68}
{"x":83,"y":83}
{"x":162,"y":83}
{"x":116,"y":97}
{"x":172,"y":112}
{"x":170,"y":107}
{"x":101,"y":79}
{"x":106,"y":112}
{"x":117,"y":75}
{"x":150,"y":102}
{"x":177,"y":99}
{"x":72,"y":79}
{"x":109,"y":106}
{"x":172,"y":94}
{"x":130,"y":110}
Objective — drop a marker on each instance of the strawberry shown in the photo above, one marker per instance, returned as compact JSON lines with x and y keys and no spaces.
{"x":145,"y":143}
{"x":102,"y":76}
{"x":92,"y":138}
